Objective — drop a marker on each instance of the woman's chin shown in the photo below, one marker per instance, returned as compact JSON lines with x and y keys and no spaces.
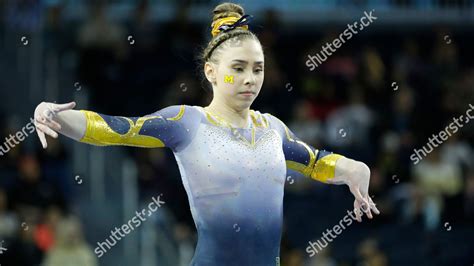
{"x":243,"y":104}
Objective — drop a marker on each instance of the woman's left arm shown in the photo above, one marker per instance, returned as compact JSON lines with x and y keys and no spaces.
{"x":327,"y":167}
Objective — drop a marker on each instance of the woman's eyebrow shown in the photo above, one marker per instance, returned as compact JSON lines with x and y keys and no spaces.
{"x":245,"y":62}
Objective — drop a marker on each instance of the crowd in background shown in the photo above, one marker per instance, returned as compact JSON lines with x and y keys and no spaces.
{"x":376,"y":99}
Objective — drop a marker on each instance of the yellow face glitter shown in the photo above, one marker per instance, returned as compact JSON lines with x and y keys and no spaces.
{"x":229,"y":79}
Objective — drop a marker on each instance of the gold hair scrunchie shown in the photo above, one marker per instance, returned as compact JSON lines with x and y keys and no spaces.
{"x":229,"y":23}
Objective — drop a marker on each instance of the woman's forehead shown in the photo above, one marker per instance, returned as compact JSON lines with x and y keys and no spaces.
{"x":248,"y":51}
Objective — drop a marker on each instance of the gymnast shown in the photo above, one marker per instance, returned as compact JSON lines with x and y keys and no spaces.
{"x":233,"y":160}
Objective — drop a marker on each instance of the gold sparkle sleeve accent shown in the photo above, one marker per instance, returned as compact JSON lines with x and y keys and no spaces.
{"x":325,"y":168}
{"x":99,"y":133}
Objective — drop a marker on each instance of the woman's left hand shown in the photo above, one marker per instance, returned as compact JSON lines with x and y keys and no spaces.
{"x":357,"y":176}
{"x":359,"y":187}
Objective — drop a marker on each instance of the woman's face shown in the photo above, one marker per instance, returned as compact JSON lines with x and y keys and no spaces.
{"x":238,"y":76}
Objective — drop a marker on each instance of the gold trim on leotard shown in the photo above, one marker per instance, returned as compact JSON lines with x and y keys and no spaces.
{"x":325,"y":168}
{"x":221,"y":122}
{"x":179,"y":115}
{"x":258,"y":120}
{"x":99,"y":133}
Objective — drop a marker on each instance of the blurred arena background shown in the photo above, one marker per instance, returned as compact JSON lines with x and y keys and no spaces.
{"x":381,"y":95}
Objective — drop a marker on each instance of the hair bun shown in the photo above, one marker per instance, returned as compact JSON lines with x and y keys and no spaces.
{"x":227,"y":10}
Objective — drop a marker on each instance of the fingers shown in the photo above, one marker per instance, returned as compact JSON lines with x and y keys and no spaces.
{"x":42,"y":137}
{"x":53,"y":125}
{"x":361,"y":208}
{"x":49,"y":123}
{"x":355,"y":191}
{"x":51,"y":109}
{"x":46,"y":118}
{"x":366,"y":208}
{"x":44,"y":121}
{"x":373,"y":207}
{"x":363,"y":204}
{"x":46,"y":130}
{"x":357,"y":211}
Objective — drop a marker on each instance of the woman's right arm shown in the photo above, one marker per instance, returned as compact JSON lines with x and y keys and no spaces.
{"x":172,"y":127}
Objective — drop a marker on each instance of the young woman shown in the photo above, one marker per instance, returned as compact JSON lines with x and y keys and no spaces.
{"x":233,"y":160}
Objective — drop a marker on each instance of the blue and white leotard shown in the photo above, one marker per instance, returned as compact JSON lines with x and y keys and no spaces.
{"x":234,"y":177}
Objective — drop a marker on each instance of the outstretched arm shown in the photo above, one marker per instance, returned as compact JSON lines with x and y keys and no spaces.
{"x":168,"y":127}
{"x":328,"y":167}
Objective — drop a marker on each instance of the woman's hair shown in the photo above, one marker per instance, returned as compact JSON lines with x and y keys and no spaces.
{"x":222,"y":38}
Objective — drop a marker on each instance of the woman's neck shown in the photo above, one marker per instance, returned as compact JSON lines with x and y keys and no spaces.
{"x":237,"y":118}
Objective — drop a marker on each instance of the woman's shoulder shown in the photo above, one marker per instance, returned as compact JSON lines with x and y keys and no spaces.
{"x":178,"y":113}
{"x":264,"y":119}
{"x":176,"y":110}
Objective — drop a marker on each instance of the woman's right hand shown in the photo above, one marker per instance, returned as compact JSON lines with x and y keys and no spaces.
{"x":46,"y":119}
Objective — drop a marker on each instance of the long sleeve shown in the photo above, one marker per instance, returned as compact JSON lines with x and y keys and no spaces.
{"x":303,"y":158}
{"x":171,"y":127}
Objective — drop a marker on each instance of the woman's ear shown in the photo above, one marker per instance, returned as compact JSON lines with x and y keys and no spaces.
{"x":210,"y":72}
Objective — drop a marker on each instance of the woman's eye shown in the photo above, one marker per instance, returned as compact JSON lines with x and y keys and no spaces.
{"x":238,"y":69}
{"x":258,"y":70}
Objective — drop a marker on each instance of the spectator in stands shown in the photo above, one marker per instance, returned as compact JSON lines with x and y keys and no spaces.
{"x":436,"y":179}
{"x":70,"y":248}
{"x":370,"y":254}
{"x":8,"y":219}
{"x":323,"y":258}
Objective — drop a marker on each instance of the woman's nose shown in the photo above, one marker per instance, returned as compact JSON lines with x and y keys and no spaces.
{"x":250,"y":79}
